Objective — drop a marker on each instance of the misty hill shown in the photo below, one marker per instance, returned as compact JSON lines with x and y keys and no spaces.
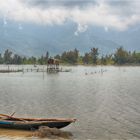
{"x":28,"y":39}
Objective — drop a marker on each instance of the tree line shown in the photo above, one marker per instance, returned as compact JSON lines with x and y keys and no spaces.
{"x":119,"y":57}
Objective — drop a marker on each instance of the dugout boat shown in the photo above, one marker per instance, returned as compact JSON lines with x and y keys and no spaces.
{"x":11,"y":122}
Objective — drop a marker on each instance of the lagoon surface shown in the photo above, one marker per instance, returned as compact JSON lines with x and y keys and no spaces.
{"x":106,"y":104}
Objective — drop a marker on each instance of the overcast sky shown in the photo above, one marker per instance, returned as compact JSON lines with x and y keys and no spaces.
{"x":118,"y":15}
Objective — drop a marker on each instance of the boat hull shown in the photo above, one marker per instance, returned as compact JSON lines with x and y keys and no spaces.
{"x":32,"y":125}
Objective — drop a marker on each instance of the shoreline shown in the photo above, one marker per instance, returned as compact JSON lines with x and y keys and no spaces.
{"x":62,"y":64}
{"x":90,"y":65}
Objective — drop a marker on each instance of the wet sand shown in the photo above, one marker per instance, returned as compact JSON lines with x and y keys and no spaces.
{"x":13,"y":133}
{"x":9,"y":134}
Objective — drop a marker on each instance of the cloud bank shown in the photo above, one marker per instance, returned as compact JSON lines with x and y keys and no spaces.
{"x":109,"y":14}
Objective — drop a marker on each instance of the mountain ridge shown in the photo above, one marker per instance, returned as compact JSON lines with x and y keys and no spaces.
{"x":37,"y":40}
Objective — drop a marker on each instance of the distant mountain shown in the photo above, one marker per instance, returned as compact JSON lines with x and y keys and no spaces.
{"x":29,"y":39}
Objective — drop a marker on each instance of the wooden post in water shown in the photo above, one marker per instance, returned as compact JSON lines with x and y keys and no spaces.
{"x":8,"y":68}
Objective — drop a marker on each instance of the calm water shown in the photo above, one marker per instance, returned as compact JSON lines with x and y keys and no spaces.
{"x":107,"y":105}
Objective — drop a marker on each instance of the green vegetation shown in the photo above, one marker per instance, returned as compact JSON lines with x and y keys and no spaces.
{"x":73,"y":57}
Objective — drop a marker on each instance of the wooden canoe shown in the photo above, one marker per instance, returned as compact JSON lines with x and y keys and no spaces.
{"x":32,"y":123}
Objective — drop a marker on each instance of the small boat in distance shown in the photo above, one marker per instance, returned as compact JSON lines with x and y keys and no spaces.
{"x":11,"y":122}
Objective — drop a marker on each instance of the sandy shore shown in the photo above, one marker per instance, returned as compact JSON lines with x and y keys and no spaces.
{"x":9,"y":134}
{"x":12,"y":133}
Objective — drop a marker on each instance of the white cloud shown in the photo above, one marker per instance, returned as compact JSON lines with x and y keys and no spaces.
{"x":4,"y":21}
{"x":20,"y":27}
{"x":80,"y":29}
{"x":106,"y":29}
{"x":101,"y":14}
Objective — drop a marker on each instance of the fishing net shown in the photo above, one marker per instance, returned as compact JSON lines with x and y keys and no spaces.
{"x":45,"y":131}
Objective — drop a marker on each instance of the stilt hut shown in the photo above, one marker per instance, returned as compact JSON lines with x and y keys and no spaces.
{"x":52,"y":65}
